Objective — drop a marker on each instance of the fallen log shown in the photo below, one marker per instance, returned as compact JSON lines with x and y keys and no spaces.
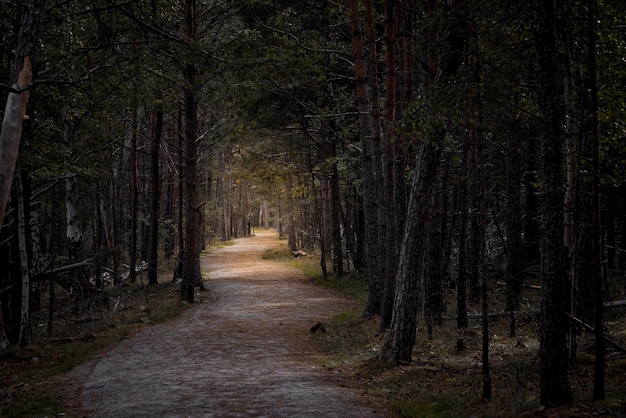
{"x":589,"y":328}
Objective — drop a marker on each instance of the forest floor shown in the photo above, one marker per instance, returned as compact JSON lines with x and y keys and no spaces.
{"x":246,"y":349}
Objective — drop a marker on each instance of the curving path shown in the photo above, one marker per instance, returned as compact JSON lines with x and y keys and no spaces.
{"x":245,"y":353}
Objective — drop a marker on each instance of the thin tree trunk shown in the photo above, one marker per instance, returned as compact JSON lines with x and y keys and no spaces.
{"x":531,"y":222}
{"x":155,"y":194}
{"x":461,"y":280}
{"x":25,"y":333}
{"x":180,"y":207}
{"x":596,"y":257}
{"x":335,"y":206}
{"x":108,"y":216}
{"x":132,"y":258}
{"x":291,"y":219}
{"x":514,"y":264}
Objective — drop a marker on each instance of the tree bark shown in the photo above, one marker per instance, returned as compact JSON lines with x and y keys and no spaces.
{"x":554,"y":382}
{"x":132,"y":277}
{"x":514,"y":264}
{"x":461,"y":279}
{"x":399,"y":342}
{"x":155,"y":195}
{"x":15,"y":110}
{"x":596,"y":253}
{"x":25,"y":333}
{"x":369,"y":127}
{"x":291,"y":219}
{"x":191,"y":258}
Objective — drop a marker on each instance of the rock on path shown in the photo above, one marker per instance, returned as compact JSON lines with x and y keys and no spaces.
{"x":244,"y":354}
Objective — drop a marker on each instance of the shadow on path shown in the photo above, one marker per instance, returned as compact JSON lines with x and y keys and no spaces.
{"x":246,"y":353}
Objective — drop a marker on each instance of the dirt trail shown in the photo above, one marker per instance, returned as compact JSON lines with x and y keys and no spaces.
{"x":245,"y":353}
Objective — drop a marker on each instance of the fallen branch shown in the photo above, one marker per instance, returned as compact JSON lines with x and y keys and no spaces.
{"x":589,"y":328}
{"x":66,"y":340}
{"x":615,"y":303}
{"x":525,"y":285}
{"x":44,"y":274}
{"x":495,"y":314}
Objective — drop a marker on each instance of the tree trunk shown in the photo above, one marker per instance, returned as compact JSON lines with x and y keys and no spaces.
{"x":369,"y":127}
{"x":132,"y":257}
{"x":461,"y":279}
{"x":15,"y":110}
{"x":291,"y":219}
{"x":180,"y":208}
{"x":596,"y":250}
{"x":335,"y":211}
{"x":531,"y":222}
{"x":11,"y":277}
{"x":514,"y":264}
{"x":191,"y":258}
{"x":155,"y":196}
{"x":398,"y":345}
{"x":25,"y":332}
{"x":554,"y":382}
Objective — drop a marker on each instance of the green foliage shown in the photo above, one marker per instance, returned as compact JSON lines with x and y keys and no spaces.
{"x":412,"y":408}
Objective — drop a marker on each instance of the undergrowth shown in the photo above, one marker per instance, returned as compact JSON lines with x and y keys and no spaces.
{"x":25,"y":387}
{"x":444,"y":378}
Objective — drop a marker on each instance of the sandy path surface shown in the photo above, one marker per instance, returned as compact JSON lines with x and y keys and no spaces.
{"x":244,"y":353}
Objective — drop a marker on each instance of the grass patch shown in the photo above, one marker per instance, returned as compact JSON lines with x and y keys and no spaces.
{"x":352,"y":286}
{"x":280,"y":253}
{"x":412,"y":408}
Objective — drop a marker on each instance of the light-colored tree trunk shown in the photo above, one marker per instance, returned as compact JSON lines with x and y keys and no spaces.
{"x":15,"y":109}
{"x":398,"y":345}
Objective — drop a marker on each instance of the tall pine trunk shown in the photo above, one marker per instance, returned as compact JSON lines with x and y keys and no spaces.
{"x":191,"y":254}
{"x":554,"y":381}
{"x":369,"y":127}
{"x":596,"y":253}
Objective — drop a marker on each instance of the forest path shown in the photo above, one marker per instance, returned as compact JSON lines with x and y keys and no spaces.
{"x":245,"y":353}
